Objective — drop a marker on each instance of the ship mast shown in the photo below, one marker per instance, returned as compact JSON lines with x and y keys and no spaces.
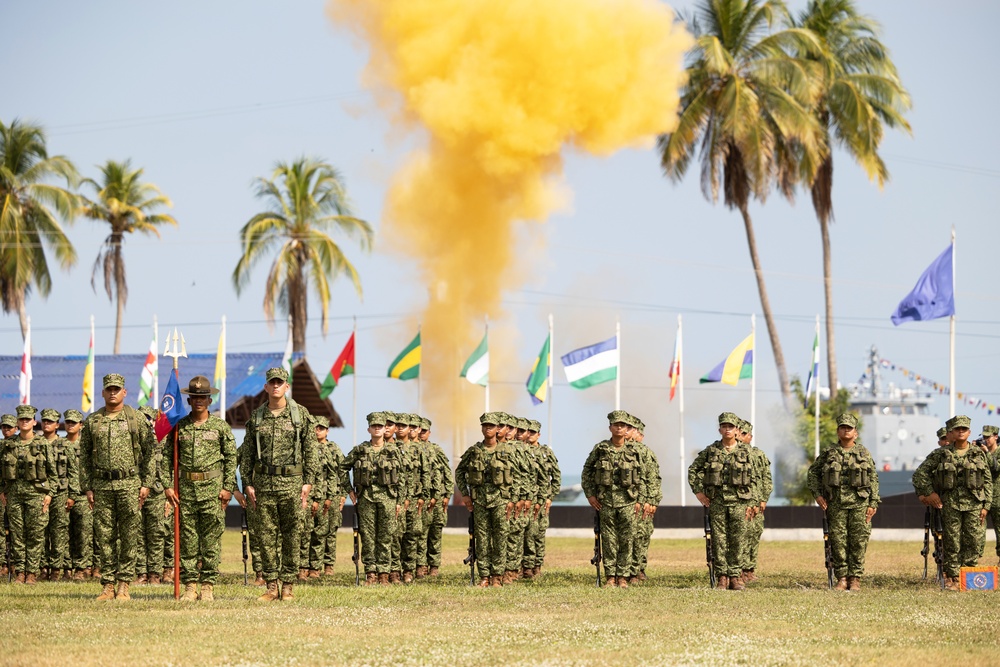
{"x":873,"y":368}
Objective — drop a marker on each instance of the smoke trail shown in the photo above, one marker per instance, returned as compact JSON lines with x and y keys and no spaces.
{"x":500,"y":89}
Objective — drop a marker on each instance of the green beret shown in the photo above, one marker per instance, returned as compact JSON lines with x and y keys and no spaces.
{"x":50,"y":415}
{"x":961,"y":421}
{"x":847,"y":419}
{"x":280,"y":373}
{"x":8,"y":420}
{"x":376,"y":418}
{"x":320,"y":420}
{"x":942,"y":432}
{"x":425,"y":423}
{"x":535,"y":426}
{"x":114,"y":380}
{"x":991,"y":430}
{"x":73,"y":416}
{"x":729,"y":418}
{"x":25,"y":411}
{"x":619,"y":416}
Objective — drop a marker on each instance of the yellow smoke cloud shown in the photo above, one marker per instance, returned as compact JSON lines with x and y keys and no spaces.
{"x":500,"y":89}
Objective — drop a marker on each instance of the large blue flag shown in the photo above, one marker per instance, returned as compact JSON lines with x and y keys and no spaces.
{"x":171,"y":408}
{"x":934,"y":294}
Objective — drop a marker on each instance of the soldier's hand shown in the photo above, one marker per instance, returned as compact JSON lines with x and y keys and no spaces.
{"x":821,"y":501}
{"x":510,"y":508}
{"x":431,"y":503}
{"x":354,"y":499}
{"x":224,"y":496}
{"x":46,"y":501}
{"x":143,"y":494}
{"x":703,"y":499}
{"x":934,"y":500}
{"x":304,"y":495}
{"x":751,"y":513}
{"x":420,"y":505}
{"x":326,"y":505}
{"x":342,"y":500}
{"x":548,"y":504}
{"x":252,"y":495}
{"x":314,"y":508}
{"x":869,"y":513}
{"x":445,"y":502}
{"x":241,"y":499}
{"x":982,"y":515}
{"x":69,"y":504}
{"x":171,"y":496}
{"x":638,"y":509}
{"x":467,"y":501}
{"x":90,"y":499}
{"x":399,"y":508}
{"x":3,"y":499}
{"x":594,"y":502}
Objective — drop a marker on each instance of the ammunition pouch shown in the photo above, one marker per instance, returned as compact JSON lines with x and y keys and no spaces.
{"x":605,"y":475}
{"x":713,"y":474}
{"x":629,"y":475}
{"x":388,"y":474}
{"x":740,"y":472}
{"x":8,"y":467}
{"x":476,"y":474}
{"x":945,"y":475}
{"x":363,"y":472}
{"x":500,"y":472}
{"x":859,"y":476}
{"x":831,"y":474}
{"x":973,"y":476}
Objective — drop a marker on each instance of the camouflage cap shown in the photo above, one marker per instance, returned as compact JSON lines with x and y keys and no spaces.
{"x":741,"y":426}
{"x":320,"y":420}
{"x":277,"y":372}
{"x":991,"y":430}
{"x":414,"y":419}
{"x":376,"y":418}
{"x":749,"y":427}
{"x":941,"y":432}
{"x":390,"y":417}
{"x":425,"y":424}
{"x":523,"y":423}
{"x":25,"y":411}
{"x":619,"y":417}
{"x":535,"y":426}
{"x":729,"y":418}
{"x":50,"y":415}
{"x":494,"y":418}
{"x":8,"y":420}
{"x":114,"y":380}
{"x":74,"y":416}
{"x":847,"y":419}
{"x":149,"y":412}
{"x":950,"y":424}
{"x":961,"y":421}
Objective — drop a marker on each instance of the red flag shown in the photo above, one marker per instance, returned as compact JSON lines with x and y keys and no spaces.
{"x":344,"y":365}
{"x":675,"y":365}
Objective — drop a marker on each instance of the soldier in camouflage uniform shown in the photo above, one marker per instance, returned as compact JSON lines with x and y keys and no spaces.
{"x":844,"y":481}
{"x":8,"y":426}
{"x":525,"y":491}
{"x":653,"y":482}
{"x":442,"y":486}
{"x":206,"y":458}
{"x":956,"y":479}
{"x":415,"y":487}
{"x":375,"y":471}
{"x":549,"y":482}
{"x":484,"y":479}
{"x":990,"y":442}
{"x":282,"y":464}
{"x":613,"y":482}
{"x":253,"y":530}
{"x":150,"y":539}
{"x":29,"y":481}
{"x":765,"y":485}
{"x":81,"y":518}
{"x":316,"y":518}
{"x":56,"y":564}
{"x":116,"y":471}
{"x":722,"y":478}
{"x":337,"y":483}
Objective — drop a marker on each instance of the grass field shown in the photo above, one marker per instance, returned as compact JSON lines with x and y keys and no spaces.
{"x":787,"y":618}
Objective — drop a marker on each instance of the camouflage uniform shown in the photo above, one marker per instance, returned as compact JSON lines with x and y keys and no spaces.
{"x":653,"y":482}
{"x":847,"y":479}
{"x":525,"y":490}
{"x":765,"y":485}
{"x":337,"y":484}
{"x":66,"y":485}
{"x":443,"y":485}
{"x":116,"y":459}
{"x":81,"y":518}
{"x":253,"y":526}
{"x":29,"y":476}
{"x":549,"y":483}
{"x":151,"y":534}
{"x":8,"y":423}
{"x":994,"y":461}
{"x":315,"y":517}
{"x":414,"y":484}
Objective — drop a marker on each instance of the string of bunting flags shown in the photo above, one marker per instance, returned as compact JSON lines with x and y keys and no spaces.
{"x":923,"y":380}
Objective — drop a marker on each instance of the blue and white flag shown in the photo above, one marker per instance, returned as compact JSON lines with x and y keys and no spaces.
{"x":934,"y":294}
{"x":812,"y":382}
{"x":592,"y":365}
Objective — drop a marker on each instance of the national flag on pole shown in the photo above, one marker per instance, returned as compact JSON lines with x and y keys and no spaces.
{"x":406,"y":366}
{"x":171,"y":408}
{"x":220,"y":366}
{"x":934,"y":294}
{"x":538,"y":381}
{"x":812,"y":382}
{"x":477,"y":367}
{"x":286,"y":358}
{"x":24,"y":383}
{"x":675,"y":365}
{"x":344,"y":365}
{"x":146,"y":378}
{"x":87,"y":401}
{"x":592,"y":365}
{"x":738,"y":365}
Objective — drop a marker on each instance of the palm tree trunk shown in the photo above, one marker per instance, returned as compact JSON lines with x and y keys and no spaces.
{"x":297,"y":296}
{"x":120,"y":308}
{"x":831,"y":354}
{"x":765,"y":304}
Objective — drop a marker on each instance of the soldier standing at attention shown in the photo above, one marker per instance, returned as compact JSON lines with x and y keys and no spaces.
{"x":613,"y":483}
{"x":8,"y":426}
{"x":990,"y":441}
{"x":152,"y":531}
{"x":956,"y":480}
{"x":442,"y":486}
{"x":375,"y":467}
{"x":653,"y":482}
{"x":65,"y":486}
{"x":765,"y":485}
{"x":81,"y":519}
{"x":281,"y":462}
{"x":336,"y":494}
{"x":417,"y":475}
{"x":549,"y":485}
{"x":844,"y":481}
{"x":253,"y":529}
{"x":206,"y":457}
{"x":721,"y":477}
{"x":526,"y":474}
{"x":116,"y":471}
{"x":29,"y":475}
{"x":314,"y":517}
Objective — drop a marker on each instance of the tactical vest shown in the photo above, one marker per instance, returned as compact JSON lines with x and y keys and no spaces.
{"x":848,"y":468}
{"x":371,"y":469}
{"x":24,"y":463}
{"x":737,"y":472}
{"x":967,"y":471}
{"x":62,"y":467}
{"x":626,"y":475}
{"x":497,"y":470}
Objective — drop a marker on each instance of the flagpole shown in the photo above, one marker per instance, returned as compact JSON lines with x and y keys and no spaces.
{"x":618,"y":371}
{"x":222,"y":389}
{"x":951,"y":334}
{"x":156,"y":375}
{"x":486,"y":321}
{"x":551,"y":382}
{"x":26,"y":366}
{"x":354,"y":391}
{"x":680,"y":391}
{"x":753,"y":370}
{"x":818,"y":355}
{"x":176,"y":354}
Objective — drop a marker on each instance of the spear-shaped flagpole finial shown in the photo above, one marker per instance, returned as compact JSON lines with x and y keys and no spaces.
{"x":179,"y":348}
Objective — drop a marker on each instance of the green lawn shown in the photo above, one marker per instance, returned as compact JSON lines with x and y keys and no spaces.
{"x":787,"y":618}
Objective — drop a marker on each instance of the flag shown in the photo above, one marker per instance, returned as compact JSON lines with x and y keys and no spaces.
{"x":812,"y":382}
{"x":171,"y":408}
{"x":675,"y":365}
{"x":406,"y":366}
{"x":24,"y":383}
{"x":286,"y":358}
{"x":934,"y":294}
{"x":538,"y":381}
{"x":477,"y":368}
{"x":87,"y":401}
{"x":344,"y":365}
{"x":592,"y":365}
{"x":220,"y":365}
{"x":738,"y":365}
{"x":149,"y":370}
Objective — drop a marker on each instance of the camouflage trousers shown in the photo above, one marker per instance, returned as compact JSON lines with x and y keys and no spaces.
{"x":962,"y":535}
{"x":849,"y":533}
{"x":253,"y":536}
{"x":376,"y":526}
{"x":334,"y":520}
{"x":57,"y":534}
{"x":280,"y":534}
{"x":751,"y":543}
{"x":149,"y":542}
{"x":116,"y":527}
{"x":168,"y":538}
{"x":516,"y":531}
{"x":203,"y":521}
{"x":405,"y":539}
{"x":617,"y":539}
{"x":541,"y":529}
{"x":729,"y":527}
{"x":529,"y":550}
{"x":429,"y":544}
{"x":313,"y":542}
{"x":491,"y":525}
{"x":27,"y":530}
{"x":81,"y":534}
{"x":995,"y":515}
{"x":640,"y":547}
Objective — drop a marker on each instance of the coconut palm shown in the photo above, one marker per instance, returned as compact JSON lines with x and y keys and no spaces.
{"x":129,"y":205}
{"x":861,"y":93}
{"x":746,"y":106}
{"x":305,"y":200}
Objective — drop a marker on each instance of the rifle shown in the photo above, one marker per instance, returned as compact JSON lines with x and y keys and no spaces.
{"x":246,"y":554}
{"x":709,"y":550}
{"x":827,"y":550}
{"x":470,"y":560}
{"x":939,"y":547}
{"x":925,"y":552}
{"x":356,"y":556}
{"x":8,"y":542}
{"x":598,"y":547}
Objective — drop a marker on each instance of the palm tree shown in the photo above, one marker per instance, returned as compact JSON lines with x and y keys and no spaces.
{"x":129,"y":205}
{"x":861,"y":92}
{"x":28,"y":224}
{"x":305,"y":199}
{"x":746,"y":105}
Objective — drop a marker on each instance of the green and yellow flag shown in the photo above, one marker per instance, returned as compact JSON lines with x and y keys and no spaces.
{"x":407,"y":365}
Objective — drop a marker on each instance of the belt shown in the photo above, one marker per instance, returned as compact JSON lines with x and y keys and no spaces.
{"x":114,"y":475}
{"x":280,"y":471}
{"x":201,"y":476}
